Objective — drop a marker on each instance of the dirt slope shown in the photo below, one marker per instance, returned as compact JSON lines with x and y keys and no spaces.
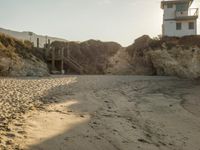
{"x":17,"y":58}
{"x":119,"y":64}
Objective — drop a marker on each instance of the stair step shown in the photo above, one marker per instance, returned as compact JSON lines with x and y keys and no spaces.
{"x":74,"y":65}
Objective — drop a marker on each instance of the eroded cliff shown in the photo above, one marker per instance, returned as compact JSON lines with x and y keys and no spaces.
{"x":17,"y":58}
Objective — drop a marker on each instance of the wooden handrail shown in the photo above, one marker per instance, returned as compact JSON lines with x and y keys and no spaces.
{"x":76,"y":66}
{"x":68,"y":60}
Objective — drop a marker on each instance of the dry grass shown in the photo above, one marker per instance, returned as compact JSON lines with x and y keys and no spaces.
{"x":12,"y":48}
{"x":170,"y":42}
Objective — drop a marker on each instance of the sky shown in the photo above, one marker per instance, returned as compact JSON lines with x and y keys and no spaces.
{"x":121,"y":21}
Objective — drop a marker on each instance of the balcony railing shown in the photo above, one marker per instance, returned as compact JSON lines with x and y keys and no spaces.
{"x":192,"y":12}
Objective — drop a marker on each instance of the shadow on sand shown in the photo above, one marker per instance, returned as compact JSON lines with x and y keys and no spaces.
{"x":85,"y":129}
{"x":79,"y":130}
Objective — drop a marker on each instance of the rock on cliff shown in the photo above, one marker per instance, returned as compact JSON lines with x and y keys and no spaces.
{"x":167,"y":56}
{"x":139,"y":56}
{"x":17,"y":58}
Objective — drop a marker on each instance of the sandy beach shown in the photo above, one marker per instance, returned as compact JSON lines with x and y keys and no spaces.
{"x":99,"y":113}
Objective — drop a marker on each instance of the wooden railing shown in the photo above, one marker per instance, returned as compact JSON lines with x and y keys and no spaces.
{"x":76,"y":66}
{"x":58,"y":55}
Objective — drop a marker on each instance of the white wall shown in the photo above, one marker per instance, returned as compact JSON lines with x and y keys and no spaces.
{"x":169,"y":23}
{"x":169,"y":13}
{"x":170,"y":29}
{"x":181,"y":13}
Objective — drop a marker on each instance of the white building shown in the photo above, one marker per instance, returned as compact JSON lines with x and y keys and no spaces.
{"x":179,"y":19}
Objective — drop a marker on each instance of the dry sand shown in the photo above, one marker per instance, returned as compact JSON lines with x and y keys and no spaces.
{"x":119,"y":64}
{"x":100,"y":113}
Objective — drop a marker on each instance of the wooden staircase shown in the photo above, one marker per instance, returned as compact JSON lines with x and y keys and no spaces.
{"x":58,"y":55}
{"x":74,"y":65}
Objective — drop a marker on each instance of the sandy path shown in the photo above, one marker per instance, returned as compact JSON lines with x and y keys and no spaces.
{"x":119,"y":64}
{"x":116,"y":113}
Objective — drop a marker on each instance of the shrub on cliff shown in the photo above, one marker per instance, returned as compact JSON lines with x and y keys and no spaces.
{"x":17,"y":58}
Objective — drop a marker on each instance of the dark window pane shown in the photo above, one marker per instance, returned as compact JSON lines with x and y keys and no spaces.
{"x":191,"y":25}
{"x":178,"y":26}
{"x":181,"y":7}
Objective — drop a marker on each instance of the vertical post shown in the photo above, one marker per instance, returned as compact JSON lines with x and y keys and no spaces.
{"x":53,"y":59}
{"x":30,"y":34}
{"x":62,"y":61}
{"x":49,"y":51}
{"x":68,"y":53}
{"x":49,"y":42}
{"x":38,"y":42}
{"x":46,"y":41}
{"x":195,"y":26}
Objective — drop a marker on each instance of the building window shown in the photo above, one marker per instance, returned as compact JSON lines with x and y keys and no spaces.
{"x":182,"y":7}
{"x":169,"y":5}
{"x":191,"y":25}
{"x":178,"y":26}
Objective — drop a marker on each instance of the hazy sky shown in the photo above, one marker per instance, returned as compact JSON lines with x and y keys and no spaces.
{"x":108,"y":20}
